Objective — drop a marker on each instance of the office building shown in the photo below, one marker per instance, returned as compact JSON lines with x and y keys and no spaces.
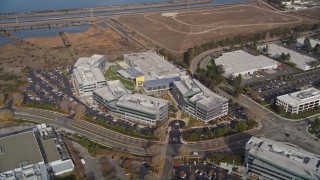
{"x":33,"y":154}
{"x":300,"y":101}
{"x":197,"y":100}
{"x":241,"y":62}
{"x":268,"y":159}
{"x":150,"y":71}
{"x":88,"y":74}
{"x":136,"y":107}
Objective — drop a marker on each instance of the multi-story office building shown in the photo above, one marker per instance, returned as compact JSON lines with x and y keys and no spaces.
{"x":150,"y":71}
{"x":300,"y":101}
{"x":198,"y":101}
{"x":137,"y":107}
{"x":269,"y":159}
{"x":88,"y":74}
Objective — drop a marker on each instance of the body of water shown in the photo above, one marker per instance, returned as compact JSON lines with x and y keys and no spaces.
{"x":7,"y":6}
{"x":4,"y":40}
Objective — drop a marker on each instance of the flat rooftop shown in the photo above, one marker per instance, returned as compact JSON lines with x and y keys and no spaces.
{"x":300,"y":97}
{"x":238,"y":62}
{"x":51,"y":150}
{"x":313,"y":42}
{"x":302,"y":61}
{"x":292,"y":158}
{"x":18,"y":148}
{"x":151,"y":65}
{"x":142,"y":102}
{"x":112,"y":91}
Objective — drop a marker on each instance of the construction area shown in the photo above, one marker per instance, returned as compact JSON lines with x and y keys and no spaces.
{"x":179,"y":30}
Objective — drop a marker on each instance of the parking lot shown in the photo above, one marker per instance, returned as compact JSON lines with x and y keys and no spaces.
{"x":269,"y":90}
{"x":52,"y":86}
{"x":201,"y":171}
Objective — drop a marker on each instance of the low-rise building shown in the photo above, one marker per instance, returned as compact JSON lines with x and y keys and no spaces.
{"x":241,"y":62}
{"x":300,"y":42}
{"x":33,"y":154}
{"x":88,"y":74}
{"x":197,"y":100}
{"x":300,"y":101}
{"x":269,"y":159}
{"x":301,"y":61}
{"x":136,"y":107}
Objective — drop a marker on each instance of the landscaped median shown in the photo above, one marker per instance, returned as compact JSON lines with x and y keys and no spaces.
{"x":115,"y":127}
{"x":192,"y":135}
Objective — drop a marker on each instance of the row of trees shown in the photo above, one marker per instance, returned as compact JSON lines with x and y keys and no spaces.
{"x":241,"y":40}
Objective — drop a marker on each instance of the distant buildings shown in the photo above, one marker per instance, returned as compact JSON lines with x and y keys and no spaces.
{"x":300,"y":101}
{"x":150,"y":71}
{"x":241,"y":62}
{"x":269,"y":159}
{"x":197,"y":100}
{"x":302,"y":61}
{"x":140,"y":108}
{"x":33,"y":154}
{"x":88,"y":74}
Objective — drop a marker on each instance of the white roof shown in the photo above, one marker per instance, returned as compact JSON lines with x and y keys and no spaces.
{"x":292,"y":158}
{"x":313,"y":42}
{"x":300,"y":97}
{"x":142,"y":102}
{"x":112,"y":91}
{"x":241,"y":62}
{"x":152,"y":65}
{"x":302,"y":61}
{"x":91,"y":62}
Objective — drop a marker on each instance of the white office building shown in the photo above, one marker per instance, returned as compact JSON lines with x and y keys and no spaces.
{"x":302,"y":61}
{"x":268,"y":159}
{"x":300,"y":101}
{"x":88,"y":74}
{"x":197,"y":100}
{"x":241,"y":62}
{"x":136,"y":107}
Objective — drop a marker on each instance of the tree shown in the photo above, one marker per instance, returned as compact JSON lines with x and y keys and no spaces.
{"x":184,"y":152}
{"x":316,"y":48}
{"x":254,"y":95}
{"x":157,"y":161}
{"x":155,"y":149}
{"x":2,"y":98}
{"x":5,"y":115}
{"x":292,"y":38}
{"x":281,"y":110}
{"x":80,"y":111}
{"x":64,"y":105}
{"x":241,"y":126}
{"x":160,"y":132}
{"x":307,"y":44}
{"x":17,"y":99}
{"x":208,"y":133}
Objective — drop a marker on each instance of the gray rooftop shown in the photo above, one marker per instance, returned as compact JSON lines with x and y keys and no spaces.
{"x":18,"y":148}
{"x":239,"y":62}
{"x":51,"y":150}
{"x":313,"y":42}
{"x":151,"y":65}
{"x":91,"y":62}
{"x":112,"y":91}
{"x":300,"y":97}
{"x":142,"y":103}
{"x":292,"y":158}
{"x":302,"y":61}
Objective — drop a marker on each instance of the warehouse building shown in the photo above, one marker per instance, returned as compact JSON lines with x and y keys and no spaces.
{"x":300,"y":101}
{"x":241,"y":62}
{"x":88,"y":74}
{"x":197,"y":100}
{"x":137,"y":107}
{"x":33,"y":154}
{"x":269,"y":159}
{"x":300,"y":42}
{"x":301,"y":61}
{"x":150,"y":71}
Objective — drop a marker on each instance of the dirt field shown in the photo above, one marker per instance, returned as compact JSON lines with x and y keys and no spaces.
{"x":315,"y":12}
{"x":51,"y":52}
{"x":177,"y":31}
